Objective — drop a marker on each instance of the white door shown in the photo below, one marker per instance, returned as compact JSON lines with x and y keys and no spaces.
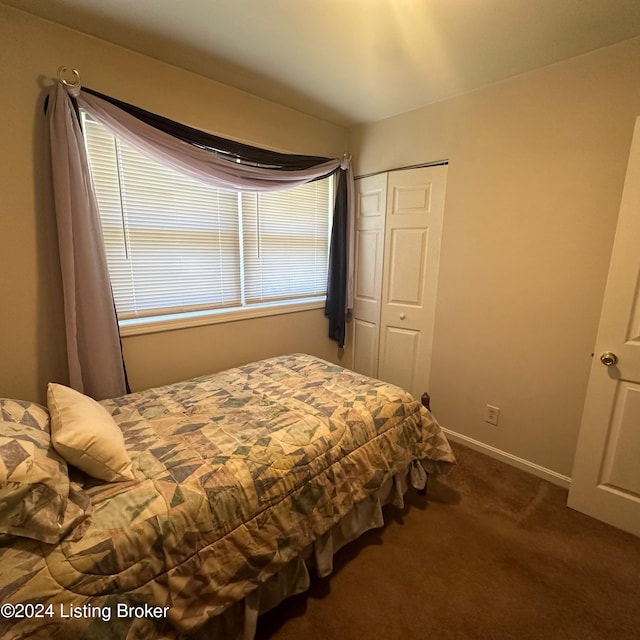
{"x":606,"y":473}
{"x":371,"y":202}
{"x":413,"y":230}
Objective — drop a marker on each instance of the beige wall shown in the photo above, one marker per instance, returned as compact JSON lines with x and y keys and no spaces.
{"x":537,"y":166}
{"x":32,"y":349}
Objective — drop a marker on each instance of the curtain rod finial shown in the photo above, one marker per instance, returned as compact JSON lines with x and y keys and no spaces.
{"x":62,"y":72}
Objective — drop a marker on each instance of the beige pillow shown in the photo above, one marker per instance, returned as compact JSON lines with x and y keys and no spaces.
{"x":86,"y":436}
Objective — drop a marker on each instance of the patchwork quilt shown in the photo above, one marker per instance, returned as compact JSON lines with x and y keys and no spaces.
{"x":235,"y":474}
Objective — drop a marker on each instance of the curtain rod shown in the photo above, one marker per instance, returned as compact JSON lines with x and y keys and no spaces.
{"x":437,"y":163}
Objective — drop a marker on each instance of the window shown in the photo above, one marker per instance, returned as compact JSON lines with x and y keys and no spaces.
{"x":177,"y":247}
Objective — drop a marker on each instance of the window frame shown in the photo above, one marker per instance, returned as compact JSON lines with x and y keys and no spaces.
{"x":161,"y":322}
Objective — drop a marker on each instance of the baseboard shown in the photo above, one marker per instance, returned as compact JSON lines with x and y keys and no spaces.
{"x":520,"y":463}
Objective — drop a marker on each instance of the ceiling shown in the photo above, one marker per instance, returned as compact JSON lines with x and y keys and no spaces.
{"x":351,"y":61}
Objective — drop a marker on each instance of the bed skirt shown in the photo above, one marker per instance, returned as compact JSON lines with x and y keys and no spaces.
{"x":240,"y":620}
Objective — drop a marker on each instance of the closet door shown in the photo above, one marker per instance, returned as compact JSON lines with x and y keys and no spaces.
{"x":371,"y":201}
{"x":415,"y":208}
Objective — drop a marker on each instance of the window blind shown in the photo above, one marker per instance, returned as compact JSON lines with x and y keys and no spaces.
{"x":285,"y":238}
{"x":175,"y":244}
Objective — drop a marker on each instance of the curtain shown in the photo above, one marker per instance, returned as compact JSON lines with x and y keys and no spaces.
{"x":235,"y":151}
{"x":93,"y":345}
{"x":93,"y":341}
{"x":335,"y":306}
{"x":196,"y":160}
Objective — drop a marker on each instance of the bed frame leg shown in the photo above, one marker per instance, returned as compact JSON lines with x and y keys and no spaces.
{"x":426,"y":403}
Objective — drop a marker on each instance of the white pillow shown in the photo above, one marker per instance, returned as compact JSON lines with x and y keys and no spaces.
{"x":86,"y":436}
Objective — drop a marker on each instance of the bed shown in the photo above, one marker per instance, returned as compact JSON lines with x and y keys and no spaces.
{"x":238,"y":485}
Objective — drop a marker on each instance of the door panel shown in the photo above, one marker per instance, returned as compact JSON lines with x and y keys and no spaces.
{"x":606,"y":473}
{"x":620,"y":469}
{"x":399,"y":357}
{"x":369,"y":253}
{"x":365,"y":347}
{"x":408,"y":260}
{"x":415,"y":210}
{"x":411,"y":199}
{"x":371,"y":203}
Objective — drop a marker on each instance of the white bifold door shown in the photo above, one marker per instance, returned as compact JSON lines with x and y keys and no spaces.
{"x":399,"y":218}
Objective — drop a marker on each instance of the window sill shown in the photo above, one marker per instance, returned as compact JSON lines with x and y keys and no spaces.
{"x":158,"y":324}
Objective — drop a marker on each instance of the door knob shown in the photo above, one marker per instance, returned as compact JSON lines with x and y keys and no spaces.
{"x":609,"y":359}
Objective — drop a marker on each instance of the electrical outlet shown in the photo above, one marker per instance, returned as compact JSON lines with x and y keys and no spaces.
{"x":491,"y":414}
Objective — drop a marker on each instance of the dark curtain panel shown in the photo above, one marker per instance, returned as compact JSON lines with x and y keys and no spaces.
{"x":336,"y":307}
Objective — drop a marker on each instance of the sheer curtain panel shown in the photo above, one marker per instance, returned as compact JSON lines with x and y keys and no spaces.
{"x":93,"y":341}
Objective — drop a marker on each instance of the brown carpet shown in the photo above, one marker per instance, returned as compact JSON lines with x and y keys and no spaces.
{"x":492,"y":552}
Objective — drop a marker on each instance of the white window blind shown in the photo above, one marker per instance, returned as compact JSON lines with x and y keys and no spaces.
{"x":175,"y":244}
{"x":285,"y":243}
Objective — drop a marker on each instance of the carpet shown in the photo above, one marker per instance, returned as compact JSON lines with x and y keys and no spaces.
{"x":491,"y":552}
